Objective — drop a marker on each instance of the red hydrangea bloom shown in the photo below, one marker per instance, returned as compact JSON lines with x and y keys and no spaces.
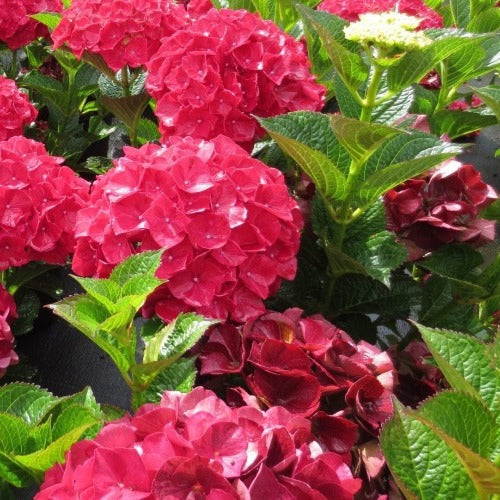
{"x":291,"y":361}
{"x":195,"y":446}
{"x":441,"y":208}
{"x":8,"y":312}
{"x":230,"y":228}
{"x":39,"y":199}
{"x":16,"y":111}
{"x":211,"y":76}
{"x":351,"y":9}
{"x":17,"y":28}
{"x":122,"y":33}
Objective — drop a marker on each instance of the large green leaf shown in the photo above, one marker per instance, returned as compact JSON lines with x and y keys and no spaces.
{"x":50,"y":19}
{"x":384,"y":180}
{"x":486,"y":21}
{"x":459,"y":123}
{"x":360,"y":139}
{"x":14,"y":433}
{"x":105,"y":291}
{"x":141,"y":264}
{"x":453,"y":261}
{"x":26,"y":401}
{"x":491,"y":97}
{"x":465,"y":364}
{"x":424,"y":466}
{"x":313,"y":130}
{"x":348,"y":64}
{"x":327,"y":178}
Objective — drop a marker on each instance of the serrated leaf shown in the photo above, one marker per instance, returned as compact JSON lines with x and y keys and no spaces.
{"x":141,"y":264}
{"x":421,"y":462}
{"x":26,"y":401}
{"x":313,"y":130}
{"x":394,"y":108}
{"x":486,"y":21}
{"x":39,"y":436}
{"x":49,"y":19}
{"x":384,"y":180}
{"x":348,"y":64}
{"x":176,"y":338}
{"x":147,"y":131}
{"x":14,"y":433}
{"x":119,"y":325}
{"x":28,"y":308}
{"x":460,"y":12}
{"x":44,"y":459}
{"x":16,"y":474}
{"x":360,"y":139}
{"x":474,"y":425}
{"x":180,"y":376}
{"x":18,"y":276}
{"x":453,"y":261}
{"x":103,"y":290}
{"x":464,"y":363}
{"x":140,"y":285}
{"x":49,"y":88}
{"x":327,"y":178}
{"x":459,"y":123}
{"x":71,"y":417}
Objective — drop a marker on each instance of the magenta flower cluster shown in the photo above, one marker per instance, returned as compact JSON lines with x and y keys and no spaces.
{"x":8,"y":313}
{"x":228,"y":224}
{"x":39,"y":199}
{"x":211,"y":76}
{"x":195,"y":446}
{"x":16,"y":111}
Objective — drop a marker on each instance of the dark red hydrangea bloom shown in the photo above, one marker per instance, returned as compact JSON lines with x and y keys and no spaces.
{"x":351,"y":9}
{"x":17,"y":28}
{"x":229,"y":225}
{"x":291,"y":361}
{"x":39,"y":199}
{"x":121,"y":32}
{"x":441,"y":208}
{"x":8,"y":312}
{"x":209,"y":77}
{"x":195,"y":446}
{"x":16,"y":111}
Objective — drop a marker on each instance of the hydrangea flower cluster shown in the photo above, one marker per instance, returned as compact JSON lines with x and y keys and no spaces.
{"x":16,"y":111}
{"x":209,"y":77}
{"x":8,"y":312}
{"x":195,"y":446}
{"x":17,"y":28}
{"x":351,"y":10}
{"x":122,"y":33}
{"x":39,"y":199}
{"x":441,"y":208}
{"x":228,"y":223}
{"x":292,"y":361}
{"x":388,"y":30}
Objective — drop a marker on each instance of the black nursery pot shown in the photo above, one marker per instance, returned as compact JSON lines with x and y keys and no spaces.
{"x":67,"y":361}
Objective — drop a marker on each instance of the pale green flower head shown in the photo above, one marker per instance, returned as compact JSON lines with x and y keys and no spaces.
{"x":389,"y":31}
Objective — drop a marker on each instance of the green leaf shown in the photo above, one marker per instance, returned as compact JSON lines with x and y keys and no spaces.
{"x":40,"y":436}
{"x":179,"y":376}
{"x":327,"y":178}
{"x":105,"y":291}
{"x":14,"y":433}
{"x":460,"y":12}
{"x":453,"y":261}
{"x":490,"y":96}
{"x":26,"y":401}
{"x":459,"y":123}
{"x":119,"y":325}
{"x":474,"y":425}
{"x":464,"y":363}
{"x":72,"y":417}
{"x":147,"y":131}
{"x":49,"y":88}
{"x":491,"y":212}
{"x":384,"y":180}
{"x":347,"y":103}
{"x":424,"y":466}
{"x":394,"y":108}
{"x":140,"y":285}
{"x":141,"y":264}
{"x":18,"y":276}
{"x":486,"y":21}
{"x":313,"y":130}
{"x":28,"y":308}
{"x":360,"y":139}
{"x":49,"y":19}
{"x":16,"y":474}
{"x":348,"y":64}
{"x":176,"y":338}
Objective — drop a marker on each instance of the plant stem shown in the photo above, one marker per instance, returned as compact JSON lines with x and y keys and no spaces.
{"x":125,"y":81}
{"x":443,"y":91}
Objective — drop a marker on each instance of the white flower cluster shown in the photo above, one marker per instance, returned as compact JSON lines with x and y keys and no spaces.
{"x":387,"y":30}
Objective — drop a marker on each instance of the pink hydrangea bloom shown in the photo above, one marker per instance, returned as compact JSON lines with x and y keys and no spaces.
{"x":17,"y":28}
{"x":292,"y":361}
{"x":211,"y":76}
{"x":39,"y":199}
{"x":351,"y":9}
{"x":441,"y":208}
{"x":8,"y":312}
{"x":121,"y":32}
{"x":195,"y":446}
{"x":229,"y":226}
{"x":16,"y":111}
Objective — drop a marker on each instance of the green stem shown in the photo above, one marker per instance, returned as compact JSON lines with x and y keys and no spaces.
{"x":443,"y":91}
{"x":125,"y":81}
